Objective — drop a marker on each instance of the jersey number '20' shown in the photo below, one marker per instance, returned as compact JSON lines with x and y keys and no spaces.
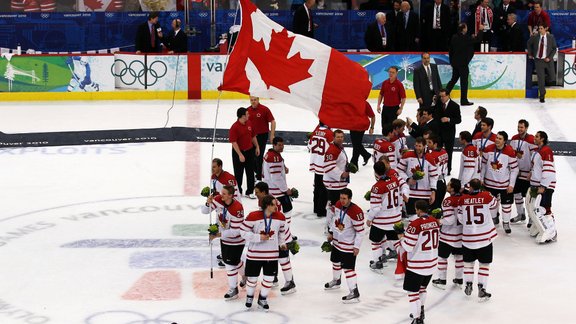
{"x":318,"y":146}
{"x":431,"y":240}
{"x":474,"y":211}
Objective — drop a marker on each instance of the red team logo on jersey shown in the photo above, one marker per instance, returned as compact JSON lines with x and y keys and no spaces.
{"x":496,"y":165}
{"x":271,"y":233}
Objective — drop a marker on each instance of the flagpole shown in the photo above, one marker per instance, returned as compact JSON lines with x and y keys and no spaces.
{"x":214,"y":138}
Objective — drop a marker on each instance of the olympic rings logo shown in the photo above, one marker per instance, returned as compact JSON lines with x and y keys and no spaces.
{"x":569,"y":69}
{"x":45,"y":15}
{"x":361,"y":13}
{"x":110,"y":14}
{"x":188,"y":316}
{"x":231,"y":14}
{"x":137,"y":71}
{"x":203,"y":14}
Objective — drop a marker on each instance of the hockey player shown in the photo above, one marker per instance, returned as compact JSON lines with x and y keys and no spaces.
{"x":81,"y":74}
{"x":264,"y":233}
{"x":319,"y":141}
{"x":450,"y":237}
{"x":383,"y":146}
{"x":484,"y":137}
{"x":274,"y":172}
{"x":336,"y":173}
{"x":478,"y":231}
{"x":499,"y":173}
{"x":418,"y":170}
{"x":398,"y":138}
{"x":440,"y":158}
{"x":523,"y":143}
{"x":346,"y":230}
{"x":221,"y":178}
{"x":543,"y":177}
{"x":385,"y":211}
{"x":469,"y":160}
{"x":230,"y":215}
{"x":420,"y":240}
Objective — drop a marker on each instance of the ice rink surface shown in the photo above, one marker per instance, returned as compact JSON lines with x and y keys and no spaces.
{"x":113,"y":234}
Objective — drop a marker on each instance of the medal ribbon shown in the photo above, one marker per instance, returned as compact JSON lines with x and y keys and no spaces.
{"x":343,"y":212}
{"x":267,"y":225}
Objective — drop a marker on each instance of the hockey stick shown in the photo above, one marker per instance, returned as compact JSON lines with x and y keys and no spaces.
{"x":75,"y":77}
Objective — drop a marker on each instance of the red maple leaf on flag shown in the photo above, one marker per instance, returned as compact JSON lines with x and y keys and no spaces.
{"x":93,"y":4}
{"x":274,"y":66}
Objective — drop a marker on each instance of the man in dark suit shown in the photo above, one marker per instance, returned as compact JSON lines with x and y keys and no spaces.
{"x":436,"y":27}
{"x":378,"y":36}
{"x":426,"y":123}
{"x":427,"y":82}
{"x":501,"y":13}
{"x":148,"y":35}
{"x":407,"y":29}
{"x":303,"y":23}
{"x":176,"y":41}
{"x":461,"y":53}
{"x":479,"y":114}
{"x":447,"y":113}
{"x":514,"y":40}
{"x":542,"y":48}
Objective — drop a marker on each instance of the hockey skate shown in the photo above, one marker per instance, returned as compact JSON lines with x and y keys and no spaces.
{"x":439,"y":283}
{"x":458,"y":282}
{"x":352,"y":298}
{"x":518,"y":220}
{"x":506,"y":227}
{"x":263,"y":304}
{"x":392,"y":254}
{"x":417,"y":320}
{"x":221,"y":264}
{"x":289,"y":288}
{"x":275,"y":282}
{"x":377,"y":266}
{"x":422,"y":314}
{"x":249,"y":301}
{"x":243,"y":282}
{"x":482,"y":294}
{"x":231,"y":294}
{"x":468,"y":289}
{"x":334,"y":284}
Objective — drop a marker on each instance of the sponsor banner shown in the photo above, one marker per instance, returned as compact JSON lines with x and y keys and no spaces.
{"x":56,"y":73}
{"x":487,"y":71}
{"x":152,"y":72}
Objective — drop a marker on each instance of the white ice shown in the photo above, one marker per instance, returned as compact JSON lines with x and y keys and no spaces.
{"x":55,"y":197}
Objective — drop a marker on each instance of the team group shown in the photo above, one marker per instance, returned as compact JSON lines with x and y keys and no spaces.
{"x":409,"y":220}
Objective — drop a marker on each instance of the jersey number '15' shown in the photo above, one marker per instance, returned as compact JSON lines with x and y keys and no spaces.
{"x":431,"y":240}
{"x":318,"y":146}
{"x":476,"y":213}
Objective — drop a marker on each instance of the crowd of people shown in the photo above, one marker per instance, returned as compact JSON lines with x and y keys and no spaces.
{"x":419,"y":214}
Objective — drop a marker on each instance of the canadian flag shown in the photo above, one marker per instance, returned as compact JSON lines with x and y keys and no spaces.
{"x":271,"y":62}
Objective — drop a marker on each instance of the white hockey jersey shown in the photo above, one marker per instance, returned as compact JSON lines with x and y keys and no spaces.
{"x":225,"y":178}
{"x":230,"y":218}
{"x":543,"y":171}
{"x":409,"y":164}
{"x":335,"y":161}
{"x":451,"y":229}
{"x":421,"y":242}
{"x":319,"y":142}
{"x":474,"y":214}
{"x":385,"y":203}
{"x":524,"y":146}
{"x":347,"y":226}
{"x":499,"y":167}
{"x":274,"y":173}
{"x":384,"y":147}
{"x":469,"y":164}
{"x":255,"y":224}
